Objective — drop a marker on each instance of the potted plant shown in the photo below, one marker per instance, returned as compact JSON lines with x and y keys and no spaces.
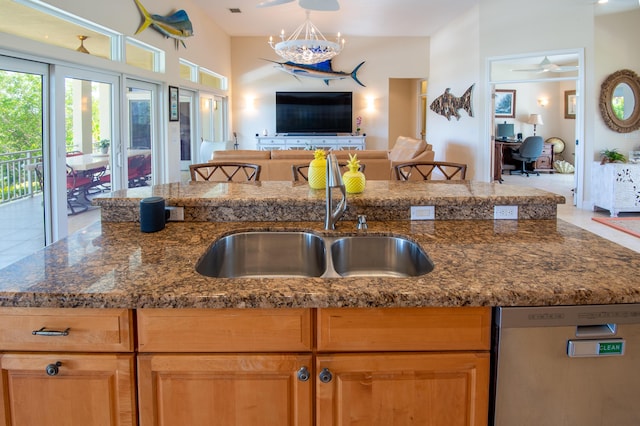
{"x":612,"y":156}
{"x":104,"y":146}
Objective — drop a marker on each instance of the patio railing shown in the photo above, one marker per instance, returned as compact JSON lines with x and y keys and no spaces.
{"x":18,"y":177}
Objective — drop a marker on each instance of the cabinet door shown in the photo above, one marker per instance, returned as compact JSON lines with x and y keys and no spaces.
{"x":224,"y":390}
{"x":85,"y":390}
{"x":440,"y":389}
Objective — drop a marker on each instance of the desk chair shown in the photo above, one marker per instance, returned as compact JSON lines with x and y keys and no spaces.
{"x":528,"y":152}
{"x":301,"y":171}
{"x":225,"y":172}
{"x":423,"y":170}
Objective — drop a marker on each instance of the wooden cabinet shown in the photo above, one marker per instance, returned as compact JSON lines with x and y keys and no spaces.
{"x":544,"y":163}
{"x":67,"y":367}
{"x":299,"y":367}
{"x":224,"y":390}
{"x":412,"y":366}
{"x":380,"y":389}
{"x":225,"y":367}
{"x":280,"y":366}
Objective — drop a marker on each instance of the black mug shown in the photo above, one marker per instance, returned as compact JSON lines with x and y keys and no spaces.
{"x":153,"y":214}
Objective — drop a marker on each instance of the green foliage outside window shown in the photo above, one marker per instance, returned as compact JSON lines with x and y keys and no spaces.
{"x":20,"y":112}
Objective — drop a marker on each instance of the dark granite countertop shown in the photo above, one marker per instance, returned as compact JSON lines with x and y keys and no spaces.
{"x":477,"y":263}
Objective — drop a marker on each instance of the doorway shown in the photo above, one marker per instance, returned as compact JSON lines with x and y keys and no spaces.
{"x":538,"y":86}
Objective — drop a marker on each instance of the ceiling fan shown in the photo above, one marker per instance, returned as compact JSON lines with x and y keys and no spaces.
{"x":321,"y":5}
{"x":547,"y":66}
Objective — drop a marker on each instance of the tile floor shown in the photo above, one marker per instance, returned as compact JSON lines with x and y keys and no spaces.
{"x":19,"y":235}
{"x":562,"y":184}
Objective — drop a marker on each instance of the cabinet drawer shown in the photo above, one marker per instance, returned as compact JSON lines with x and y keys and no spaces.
{"x":543,"y":163}
{"x":224,"y":330}
{"x":94,"y":330}
{"x":404,"y":329}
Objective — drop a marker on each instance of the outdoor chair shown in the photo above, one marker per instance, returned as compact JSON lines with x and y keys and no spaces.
{"x":77,"y":185}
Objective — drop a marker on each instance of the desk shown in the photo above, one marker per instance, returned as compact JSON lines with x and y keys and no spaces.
{"x":499,"y":156}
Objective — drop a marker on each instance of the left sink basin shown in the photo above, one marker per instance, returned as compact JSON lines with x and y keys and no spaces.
{"x":265,"y":254}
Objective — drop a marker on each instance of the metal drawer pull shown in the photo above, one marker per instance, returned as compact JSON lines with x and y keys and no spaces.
{"x":44,"y":332}
{"x":53,"y":369}
{"x":325,"y":375}
{"x":303,"y":374}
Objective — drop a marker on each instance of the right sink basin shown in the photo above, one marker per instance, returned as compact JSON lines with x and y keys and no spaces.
{"x":379,"y":256}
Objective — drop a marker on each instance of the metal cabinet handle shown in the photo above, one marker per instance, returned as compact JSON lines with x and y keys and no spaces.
{"x":53,"y":369}
{"x":44,"y":332}
{"x":303,"y":374}
{"x":325,"y":375}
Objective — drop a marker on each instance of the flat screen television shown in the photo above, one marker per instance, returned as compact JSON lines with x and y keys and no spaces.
{"x":321,"y":113}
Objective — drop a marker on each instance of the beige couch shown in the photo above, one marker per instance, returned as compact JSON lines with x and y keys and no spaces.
{"x":276,"y":164}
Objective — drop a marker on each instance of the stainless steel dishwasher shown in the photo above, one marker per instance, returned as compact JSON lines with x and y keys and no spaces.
{"x":574,"y":365}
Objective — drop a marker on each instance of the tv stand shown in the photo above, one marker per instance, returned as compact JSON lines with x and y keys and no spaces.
{"x":311,"y":141}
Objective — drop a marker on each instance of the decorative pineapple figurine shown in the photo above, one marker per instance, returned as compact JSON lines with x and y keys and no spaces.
{"x":318,"y":170}
{"x":354,"y":180}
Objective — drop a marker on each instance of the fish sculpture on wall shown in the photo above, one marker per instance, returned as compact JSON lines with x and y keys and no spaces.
{"x":448,"y":105}
{"x":321,"y":70}
{"x":176,"y":26}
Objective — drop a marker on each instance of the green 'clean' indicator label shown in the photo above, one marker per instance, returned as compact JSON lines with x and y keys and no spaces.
{"x":610,"y":348}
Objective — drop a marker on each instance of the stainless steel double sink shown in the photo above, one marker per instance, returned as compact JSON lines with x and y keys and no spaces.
{"x":304,"y":254}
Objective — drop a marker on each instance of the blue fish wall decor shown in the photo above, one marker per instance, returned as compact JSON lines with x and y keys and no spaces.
{"x":448,"y":105}
{"x":321,"y":70}
{"x":176,"y":26}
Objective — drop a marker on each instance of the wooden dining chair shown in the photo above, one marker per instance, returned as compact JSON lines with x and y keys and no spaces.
{"x":225,"y":171}
{"x":423,"y":170}
{"x":301,"y":171}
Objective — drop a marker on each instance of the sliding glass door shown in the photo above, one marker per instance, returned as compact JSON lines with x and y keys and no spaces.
{"x":139,"y":151}
{"x":23,"y":159}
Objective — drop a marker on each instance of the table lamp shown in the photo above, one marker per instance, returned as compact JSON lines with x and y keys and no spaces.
{"x":535,"y":119}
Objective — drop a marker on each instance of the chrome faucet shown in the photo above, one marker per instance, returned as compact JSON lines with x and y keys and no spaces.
{"x":334,"y":180}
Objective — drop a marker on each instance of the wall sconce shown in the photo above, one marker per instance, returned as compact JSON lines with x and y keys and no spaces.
{"x":250,"y":103}
{"x":543,"y":102}
{"x":371,"y":103}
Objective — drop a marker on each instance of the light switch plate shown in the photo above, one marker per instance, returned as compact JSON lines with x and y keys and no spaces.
{"x":423,"y":212}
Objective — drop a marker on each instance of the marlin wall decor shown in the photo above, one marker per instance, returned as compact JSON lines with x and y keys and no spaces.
{"x":176,"y":26}
{"x":322,"y":70}
{"x":448,"y":105}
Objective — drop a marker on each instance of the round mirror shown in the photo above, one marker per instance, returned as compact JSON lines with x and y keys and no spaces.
{"x":620,"y":101}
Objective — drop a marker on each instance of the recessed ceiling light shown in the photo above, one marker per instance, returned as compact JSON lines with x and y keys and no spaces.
{"x":603,"y":1}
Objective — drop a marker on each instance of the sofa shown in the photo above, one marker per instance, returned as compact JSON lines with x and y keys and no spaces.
{"x":276,"y":164}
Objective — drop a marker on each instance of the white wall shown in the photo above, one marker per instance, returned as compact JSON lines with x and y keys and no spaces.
{"x":257,"y":79}
{"x":617,"y":38}
{"x":455,"y":64}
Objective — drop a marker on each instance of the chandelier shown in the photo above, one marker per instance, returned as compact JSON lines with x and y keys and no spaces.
{"x":307,"y":45}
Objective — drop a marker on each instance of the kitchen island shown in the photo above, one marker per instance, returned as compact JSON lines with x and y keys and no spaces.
{"x":478,"y":262}
{"x":125,"y":313}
